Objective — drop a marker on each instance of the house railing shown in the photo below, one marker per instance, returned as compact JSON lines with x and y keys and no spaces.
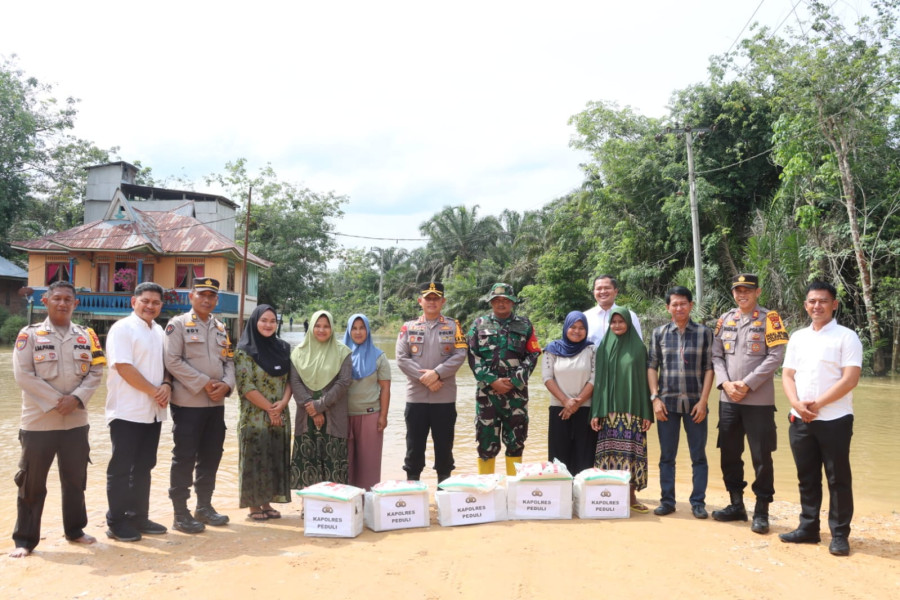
{"x":114,"y":303}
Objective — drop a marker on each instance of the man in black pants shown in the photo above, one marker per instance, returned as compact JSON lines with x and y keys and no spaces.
{"x":200,"y":358}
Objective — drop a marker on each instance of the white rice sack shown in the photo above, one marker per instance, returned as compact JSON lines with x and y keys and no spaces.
{"x":480,"y":484}
{"x":326,"y":490}
{"x":394,"y":487}
{"x":547,"y":471}
{"x":595,"y":476}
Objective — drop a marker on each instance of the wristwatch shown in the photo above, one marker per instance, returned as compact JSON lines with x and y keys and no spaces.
{"x":654,"y":397}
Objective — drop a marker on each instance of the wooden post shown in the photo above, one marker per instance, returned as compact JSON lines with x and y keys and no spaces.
{"x":244,"y":265}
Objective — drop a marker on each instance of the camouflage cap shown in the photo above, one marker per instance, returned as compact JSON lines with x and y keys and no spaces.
{"x":502,"y":290}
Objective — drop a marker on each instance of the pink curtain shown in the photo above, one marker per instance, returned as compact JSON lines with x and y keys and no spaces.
{"x":198,"y":271}
{"x":181,"y":272}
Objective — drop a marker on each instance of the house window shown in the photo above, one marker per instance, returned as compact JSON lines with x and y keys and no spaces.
{"x":230,"y":283}
{"x":57,"y":272}
{"x":185,"y":275}
{"x":147,"y":275}
{"x":103,"y":277}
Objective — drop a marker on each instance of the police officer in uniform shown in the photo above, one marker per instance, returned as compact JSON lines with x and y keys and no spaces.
{"x":748,"y":347}
{"x":200,"y":358}
{"x":58,"y":365}
{"x":430,"y":350}
{"x":503,"y":352}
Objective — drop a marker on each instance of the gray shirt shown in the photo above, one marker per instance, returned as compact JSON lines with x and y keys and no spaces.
{"x":332,"y":402}
{"x":197,"y":352}
{"x":741,"y":352}
{"x":439,"y":344}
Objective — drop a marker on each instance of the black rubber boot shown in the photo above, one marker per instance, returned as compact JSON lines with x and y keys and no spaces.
{"x":760,"y":517}
{"x":734,"y":511}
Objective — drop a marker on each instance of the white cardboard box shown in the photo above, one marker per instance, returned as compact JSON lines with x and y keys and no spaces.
{"x":402,"y":511}
{"x":537,"y":499}
{"x":601,"y":501}
{"x":469,"y":508}
{"x":332,"y":518}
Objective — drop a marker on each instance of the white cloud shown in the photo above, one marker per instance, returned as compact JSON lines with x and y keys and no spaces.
{"x":404,"y":106}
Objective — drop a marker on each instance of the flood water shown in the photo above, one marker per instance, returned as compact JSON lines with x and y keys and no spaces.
{"x":876,"y":471}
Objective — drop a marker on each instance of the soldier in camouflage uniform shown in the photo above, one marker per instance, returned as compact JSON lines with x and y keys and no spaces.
{"x":503,"y":352}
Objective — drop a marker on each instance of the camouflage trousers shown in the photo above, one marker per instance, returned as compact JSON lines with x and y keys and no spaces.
{"x":501,"y":417}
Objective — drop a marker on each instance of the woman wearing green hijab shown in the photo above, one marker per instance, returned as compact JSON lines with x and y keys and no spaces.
{"x":321,"y":373}
{"x":621,"y":410}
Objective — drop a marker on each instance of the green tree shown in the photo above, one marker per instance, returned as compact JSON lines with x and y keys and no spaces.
{"x":290,"y":226}
{"x":836,"y":93}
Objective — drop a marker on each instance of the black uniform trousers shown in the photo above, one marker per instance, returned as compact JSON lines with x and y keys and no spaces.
{"x":421,"y":418}
{"x":199,"y":437}
{"x":824,"y":444}
{"x":757,"y":423}
{"x":134,"y":447}
{"x":72,"y":452}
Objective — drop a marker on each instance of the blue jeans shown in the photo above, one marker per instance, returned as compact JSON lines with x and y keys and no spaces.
{"x":669,"y":432}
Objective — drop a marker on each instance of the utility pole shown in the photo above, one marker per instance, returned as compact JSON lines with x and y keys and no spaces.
{"x":380,"y":252}
{"x":688,"y":131}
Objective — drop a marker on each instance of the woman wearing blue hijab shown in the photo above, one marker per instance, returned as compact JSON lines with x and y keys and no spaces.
{"x":368,"y":399}
{"x":568,"y":372}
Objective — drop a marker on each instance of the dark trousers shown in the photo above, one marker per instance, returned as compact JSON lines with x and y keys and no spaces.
{"x":199,"y":436}
{"x":134,"y":447}
{"x":757,"y":423}
{"x":421,"y":418}
{"x":572,"y":441}
{"x":824,"y":444}
{"x":669,"y":434}
{"x":72,"y":452}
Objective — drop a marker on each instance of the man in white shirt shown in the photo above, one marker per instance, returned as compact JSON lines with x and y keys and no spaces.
{"x":821,"y":368}
{"x":606,"y":288}
{"x":138,"y":394}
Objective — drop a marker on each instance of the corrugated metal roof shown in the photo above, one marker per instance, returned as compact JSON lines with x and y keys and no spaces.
{"x":11,"y":270}
{"x":154,"y":232}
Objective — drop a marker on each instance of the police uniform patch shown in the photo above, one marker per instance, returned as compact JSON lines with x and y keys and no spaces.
{"x":775,"y":332}
{"x":41,"y":332}
{"x":96,"y":349}
{"x":194,"y":338}
{"x":755,"y":347}
{"x":84,"y":368}
{"x":757,"y":323}
{"x":81,"y":339}
{"x":21,"y":340}
{"x":169,"y":329}
{"x":460,"y":336}
{"x":731,"y":323}
{"x":85,"y":356}
{"x":42,"y":340}
{"x":414,"y":348}
{"x":532,"y":345}
{"x":728,"y":346}
{"x":39,"y":358}
{"x":718,"y":326}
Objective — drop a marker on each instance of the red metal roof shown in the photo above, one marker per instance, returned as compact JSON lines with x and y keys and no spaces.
{"x":162,"y":233}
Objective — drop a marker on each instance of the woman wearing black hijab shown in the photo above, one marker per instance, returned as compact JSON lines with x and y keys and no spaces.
{"x":262,"y":365}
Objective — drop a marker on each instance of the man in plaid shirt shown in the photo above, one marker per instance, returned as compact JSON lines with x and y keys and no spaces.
{"x":680,"y":377}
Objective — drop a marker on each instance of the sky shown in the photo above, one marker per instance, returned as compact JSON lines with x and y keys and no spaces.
{"x":402,"y":107}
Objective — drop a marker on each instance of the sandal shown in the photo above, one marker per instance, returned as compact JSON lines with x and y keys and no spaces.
{"x":258,"y":515}
{"x":640,"y":508}
{"x":271,"y":513}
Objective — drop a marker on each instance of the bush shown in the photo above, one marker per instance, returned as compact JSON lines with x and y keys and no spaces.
{"x":11,"y":327}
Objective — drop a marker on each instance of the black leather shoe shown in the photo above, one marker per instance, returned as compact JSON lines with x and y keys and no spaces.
{"x":760,"y":524}
{"x":699,"y":512}
{"x":123,"y":532}
{"x":663,"y":510}
{"x":798,"y":536}
{"x":185,"y":523}
{"x":208,"y":515}
{"x":151,"y":528}
{"x":839,"y":546}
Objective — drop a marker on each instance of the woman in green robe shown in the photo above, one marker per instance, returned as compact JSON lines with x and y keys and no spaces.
{"x":321,"y":373}
{"x":262,"y":364}
{"x":621,"y":410}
